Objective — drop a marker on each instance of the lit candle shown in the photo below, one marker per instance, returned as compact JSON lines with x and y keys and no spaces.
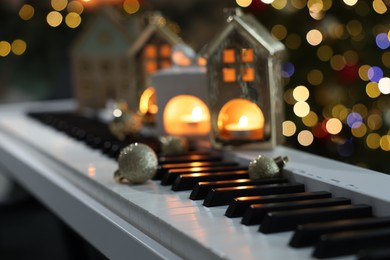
{"x":194,"y":118}
{"x":242,"y":128}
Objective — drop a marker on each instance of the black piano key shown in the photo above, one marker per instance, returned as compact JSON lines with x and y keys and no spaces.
{"x":238,"y":205}
{"x":256,"y":212}
{"x":279,"y":221}
{"x":350,"y":242}
{"x":186,"y":180}
{"x":381,"y":253}
{"x":201,"y":187}
{"x":223,"y":196}
{"x":164,"y":168}
{"x":170,"y":176}
{"x":191,"y":157}
{"x":309,"y":234}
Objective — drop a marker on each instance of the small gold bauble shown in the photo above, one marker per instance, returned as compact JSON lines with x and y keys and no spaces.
{"x":137,"y":163}
{"x":125,"y":123}
{"x":265,"y":167}
{"x":173,"y":145}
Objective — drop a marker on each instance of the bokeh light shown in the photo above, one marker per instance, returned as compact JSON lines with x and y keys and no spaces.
{"x":72,"y":20}
{"x":59,"y":5}
{"x":310,"y":119}
{"x":18,"y":46}
{"x":289,"y":128}
{"x":375,"y":73}
{"x":5,"y":48}
{"x":385,"y":142}
{"x":372,"y":90}
{"x":301,"y":109}
{"x":334,"y":126}
{"x":354,"y":120}
{"x":305,"y":138}
{"x":54,"y":18}
{"x":131,"y":6}
{"x":26,"y":12}
{"x":373,"y":141}
{"x":314,"y":37}
{"x":244,"y":3}
{"x":301,"y":93}
{"x":382,"y":41}
{"x":384,"y":85}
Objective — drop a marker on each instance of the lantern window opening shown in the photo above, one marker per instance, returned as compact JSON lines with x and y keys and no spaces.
{"x":229,"y":56}
{"x":186,"y":115}
{"x":247,"y":55}
{"x":240,"y":119}
{"x":148,"y":102}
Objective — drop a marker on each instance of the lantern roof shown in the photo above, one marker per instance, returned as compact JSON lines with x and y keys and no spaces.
{"x":156,"y":25}
{"x":248,"y":27}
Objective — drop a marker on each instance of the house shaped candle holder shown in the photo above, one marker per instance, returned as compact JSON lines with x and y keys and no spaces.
{"x":244,"y":85}
{"x":100,"y":65}
{"x":149,"y":53}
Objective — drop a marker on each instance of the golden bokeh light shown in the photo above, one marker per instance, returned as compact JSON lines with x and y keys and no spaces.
{"x":372,"y":90}
{"x":324,"y":53}
{"x":279,"y":31}
{"x":54,"y":18}
{"x":279,"y":4}
{"x":289,"y":128}
{"x":301,"y":93}
{"x":310,"y":119}
{"x":315,"y":6}
{"x":360,"y":131}
{"x":338,"y":62}
{"x":314,"y":37}
{"x":315,"y":77}
{"x":374,"y":121}
{"x":75,"y":7}
{"x":334,"y":126}
{"x":18,"y":46}
{"x":379,"y":6}
{"x":385,"y":142}
{"x":386,"y":57}
{"x":373,"y":140}
{"x":361,"y":109}
{"x":354,"y":27}
{"x":72,"y":20}
{"x":301,"y":109}
{"x":293,"y":41}
{"x":131,"y":6}
{"x":243,"y":3}
{"x":59,"y":5}
{"x":298,"y":4}
{"x":5,"y":48}
{"x":363,"y":72}
{"x":26,"y":12}
{"x":305,"y":138}
{"x":288,"y":97}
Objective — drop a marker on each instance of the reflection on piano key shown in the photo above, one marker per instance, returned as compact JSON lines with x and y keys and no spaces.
{"x":201,"y":188}
{"x":238,"y":205}
{"x":255,"y":213}
{"x":172,"y":173}
{"x":279,"y":221}
{"x":223,"y":196}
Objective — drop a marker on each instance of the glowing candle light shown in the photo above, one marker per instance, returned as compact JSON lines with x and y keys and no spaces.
{"x":242,"y":128}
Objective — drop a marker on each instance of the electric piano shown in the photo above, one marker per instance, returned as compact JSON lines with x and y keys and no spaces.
{"x":152,"y":221}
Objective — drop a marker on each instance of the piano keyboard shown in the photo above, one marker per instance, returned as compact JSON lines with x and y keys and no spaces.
{"x":217,"y":211}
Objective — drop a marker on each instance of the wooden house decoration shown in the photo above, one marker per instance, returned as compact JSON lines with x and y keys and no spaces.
{"x":244,"y":84}
{"x":149,"y":53}
{"x":100,"y":65}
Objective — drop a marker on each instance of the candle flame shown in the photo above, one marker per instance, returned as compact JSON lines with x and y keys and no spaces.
{"x":243,"y":121}
{"x":197,"y":113}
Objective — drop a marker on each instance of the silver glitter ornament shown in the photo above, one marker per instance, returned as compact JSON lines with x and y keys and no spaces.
{"x":125,"y":123}
{"x":173,"y":145}
{"x":265,"y":167}
{"x":137,"y":163}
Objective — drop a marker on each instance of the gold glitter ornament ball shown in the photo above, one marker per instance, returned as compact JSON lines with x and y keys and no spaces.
{"x":137,"y":163}
{"x":125,"y":123}
{"x":264,"y":167}
{"x":173,"y":145}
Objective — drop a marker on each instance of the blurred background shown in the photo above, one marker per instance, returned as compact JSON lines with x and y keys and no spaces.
{"x":336,"y":76}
